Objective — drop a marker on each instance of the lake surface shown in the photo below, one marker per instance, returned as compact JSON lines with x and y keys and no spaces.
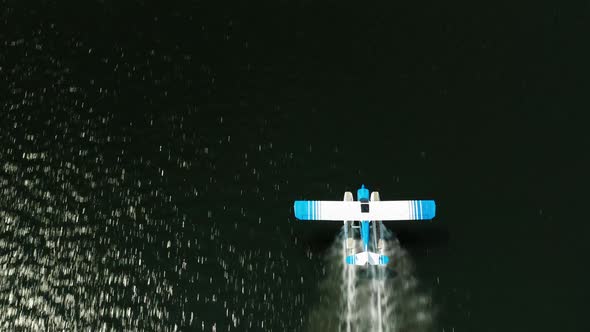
{"x":150,"y":157}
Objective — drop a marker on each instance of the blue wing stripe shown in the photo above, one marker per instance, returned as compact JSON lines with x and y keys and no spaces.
{"x":426,"y":209}
{"x":421,"y":212}
{"x":423,"y":209}
{"x":317,"y":210}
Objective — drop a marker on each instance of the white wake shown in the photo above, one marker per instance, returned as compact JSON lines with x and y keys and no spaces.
{"x":371,"y":298}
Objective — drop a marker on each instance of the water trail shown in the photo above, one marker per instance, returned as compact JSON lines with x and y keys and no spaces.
{"x":373,"y":298}
{"x":349,"y":276}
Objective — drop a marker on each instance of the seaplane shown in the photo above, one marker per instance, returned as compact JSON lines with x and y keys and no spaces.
{"x":366,"y":211}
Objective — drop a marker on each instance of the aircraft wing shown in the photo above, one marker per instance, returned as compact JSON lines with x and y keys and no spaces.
{"x":373,"y":210}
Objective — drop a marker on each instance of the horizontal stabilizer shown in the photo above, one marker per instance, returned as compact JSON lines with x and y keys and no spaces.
{"x":363,"y":258}
{"x":374,"y":210}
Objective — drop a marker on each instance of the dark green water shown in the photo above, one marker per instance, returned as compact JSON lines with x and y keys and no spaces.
{"x":150,"y":155}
